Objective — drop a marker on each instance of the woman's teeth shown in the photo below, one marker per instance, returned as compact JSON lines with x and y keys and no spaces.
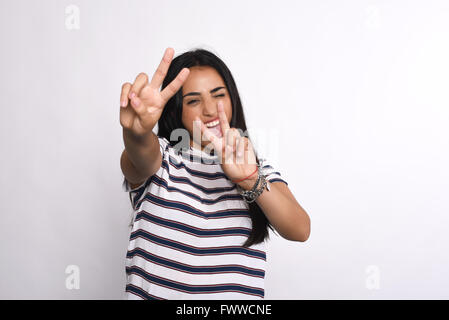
{"x":212,"y":123}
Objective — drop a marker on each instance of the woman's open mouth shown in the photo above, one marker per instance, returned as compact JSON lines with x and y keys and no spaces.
{"x":215,"y":128}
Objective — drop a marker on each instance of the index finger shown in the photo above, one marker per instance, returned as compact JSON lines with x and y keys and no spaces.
{"x":161,"y":71}
{"x":174,"y":86}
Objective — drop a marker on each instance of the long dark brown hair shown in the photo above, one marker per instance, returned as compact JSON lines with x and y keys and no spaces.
{"x":171,"y":119}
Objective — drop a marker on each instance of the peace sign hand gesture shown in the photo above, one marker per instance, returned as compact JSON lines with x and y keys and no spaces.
{"x":147,"y":103}
{"x":238,"y":159}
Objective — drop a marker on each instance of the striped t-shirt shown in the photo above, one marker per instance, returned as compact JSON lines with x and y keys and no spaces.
{"x":187,"y":233}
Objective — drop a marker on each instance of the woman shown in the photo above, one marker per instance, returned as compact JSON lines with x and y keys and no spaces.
{"x":201,"y":215}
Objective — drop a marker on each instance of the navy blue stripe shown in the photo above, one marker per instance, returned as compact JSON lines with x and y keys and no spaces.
{"x":195,"y":288}
{"x":191,"y":230}
{"x":140,"y":292}
{"x":181,"y":206}
{"x":212,"y":160}
{"x":195,"y":250}
{"x":163,"y":183}
{"x":277,"y":180}
{"x":194,"y":269}
{"x":198,"y":186}
{"x":270,"y":167}
{"x":195,"y":173}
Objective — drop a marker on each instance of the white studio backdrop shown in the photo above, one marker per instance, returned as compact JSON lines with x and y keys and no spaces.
{"x":349,"y":99}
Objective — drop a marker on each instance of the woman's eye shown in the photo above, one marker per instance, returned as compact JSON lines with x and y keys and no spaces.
{"x":217,"y":96}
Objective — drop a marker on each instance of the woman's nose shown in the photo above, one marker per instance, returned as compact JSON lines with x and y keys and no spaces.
{"x":210,"y":108}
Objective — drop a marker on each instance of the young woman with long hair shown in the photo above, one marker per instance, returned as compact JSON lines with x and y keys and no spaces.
{"x":202,"y":209}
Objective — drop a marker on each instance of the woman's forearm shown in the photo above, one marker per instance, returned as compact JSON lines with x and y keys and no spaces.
{"x":141,"y":157}
{"x":282,"y":211}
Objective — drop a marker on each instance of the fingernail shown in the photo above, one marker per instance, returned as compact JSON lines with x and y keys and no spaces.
{"x":132,"y":95}
{"x":123,"y":103}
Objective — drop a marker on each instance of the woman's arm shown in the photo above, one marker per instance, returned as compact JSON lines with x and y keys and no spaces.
{"x":141,"y":106}
{"x":282,"y":210}
{"x":141,"y":157}
{"x":238,"y":159}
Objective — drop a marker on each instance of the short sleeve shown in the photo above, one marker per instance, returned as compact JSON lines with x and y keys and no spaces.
{"x":135,"y":194}
{"x":272,"y":174}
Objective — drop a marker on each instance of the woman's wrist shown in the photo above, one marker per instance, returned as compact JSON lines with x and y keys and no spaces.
{"x":249,"y":183}
{"x":258,"y":188}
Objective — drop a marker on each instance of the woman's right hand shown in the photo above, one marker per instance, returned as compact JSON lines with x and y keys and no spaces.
{"x":142,"y":102}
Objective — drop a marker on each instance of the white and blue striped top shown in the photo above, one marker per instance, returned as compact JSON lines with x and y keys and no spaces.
{"x":188,"y":230}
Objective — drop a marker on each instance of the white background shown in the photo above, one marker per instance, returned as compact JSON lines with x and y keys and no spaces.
{"x":356,"y":93}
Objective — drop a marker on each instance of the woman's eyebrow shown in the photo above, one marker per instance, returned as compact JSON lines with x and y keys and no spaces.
{"x":197,"y":93}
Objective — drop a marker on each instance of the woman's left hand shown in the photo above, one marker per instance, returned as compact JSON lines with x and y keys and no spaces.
{"x":235,"y":151}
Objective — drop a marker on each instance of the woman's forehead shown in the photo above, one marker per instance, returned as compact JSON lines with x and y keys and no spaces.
{"x":203,"y":78}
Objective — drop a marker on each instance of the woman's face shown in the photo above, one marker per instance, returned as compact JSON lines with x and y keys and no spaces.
{"x":201,"y":92}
